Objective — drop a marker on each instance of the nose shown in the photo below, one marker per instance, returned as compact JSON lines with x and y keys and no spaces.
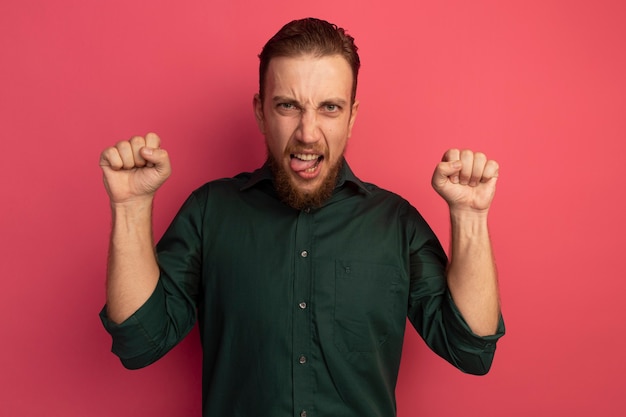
{"x":308,"y":129}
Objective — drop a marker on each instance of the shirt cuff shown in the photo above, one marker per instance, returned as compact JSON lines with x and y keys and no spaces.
{"x":463,"y":330}
{"x":135,"y":339}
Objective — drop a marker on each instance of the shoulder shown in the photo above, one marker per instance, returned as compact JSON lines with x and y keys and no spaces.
{"x":243,"y":189}
{"x":384,"y":196}
{"x":224,"y":185}
{"x":393,"y":204}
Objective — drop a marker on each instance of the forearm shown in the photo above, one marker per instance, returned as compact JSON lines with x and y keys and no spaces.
{"x":472,"y":275}
{"x":133,"y":271}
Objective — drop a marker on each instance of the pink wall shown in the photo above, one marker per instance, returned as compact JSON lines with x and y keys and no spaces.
{"x":539,"y":85}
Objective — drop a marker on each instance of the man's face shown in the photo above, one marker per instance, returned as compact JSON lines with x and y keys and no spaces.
{"x":306,"y":117}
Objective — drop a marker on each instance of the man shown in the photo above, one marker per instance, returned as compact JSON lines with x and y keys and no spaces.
{"x":301,"y":275}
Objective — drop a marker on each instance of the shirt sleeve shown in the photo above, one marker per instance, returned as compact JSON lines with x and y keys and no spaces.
{"x":170,"y":312}
{"x":432,"y":311}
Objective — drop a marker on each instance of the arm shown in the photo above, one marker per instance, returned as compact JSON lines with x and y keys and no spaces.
{"x":467,"y":180}
{"x":133,"y":170}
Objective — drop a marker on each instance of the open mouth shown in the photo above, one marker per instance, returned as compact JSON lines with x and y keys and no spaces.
{"x":305,"y":162}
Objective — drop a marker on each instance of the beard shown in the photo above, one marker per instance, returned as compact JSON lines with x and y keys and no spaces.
{"x":295,"y":198}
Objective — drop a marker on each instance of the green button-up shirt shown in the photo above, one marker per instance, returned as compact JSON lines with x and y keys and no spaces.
{"x":301,"y":313}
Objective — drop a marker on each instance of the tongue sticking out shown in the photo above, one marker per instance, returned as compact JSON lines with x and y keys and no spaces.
{"x":300,"y":165}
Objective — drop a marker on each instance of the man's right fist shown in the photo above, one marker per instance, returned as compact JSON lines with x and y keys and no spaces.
{"x":134,"y":169}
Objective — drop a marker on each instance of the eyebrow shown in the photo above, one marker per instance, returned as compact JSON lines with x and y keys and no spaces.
{"x":334,"y":100}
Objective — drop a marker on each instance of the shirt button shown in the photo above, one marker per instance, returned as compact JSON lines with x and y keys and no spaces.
{"x":302,"y":359}
{"x":303,"y":413}
{"x":302,"y":305}
{"x":304,"y":254}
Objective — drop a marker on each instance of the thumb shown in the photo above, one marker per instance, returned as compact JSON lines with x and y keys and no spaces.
{"x":447,"y":170}
{"x":157,"y":158}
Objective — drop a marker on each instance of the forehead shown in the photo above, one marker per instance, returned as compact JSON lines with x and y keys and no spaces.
{"x":308,"y":74}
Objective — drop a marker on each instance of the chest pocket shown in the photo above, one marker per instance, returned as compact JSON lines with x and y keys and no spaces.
{"x":366,"y":297}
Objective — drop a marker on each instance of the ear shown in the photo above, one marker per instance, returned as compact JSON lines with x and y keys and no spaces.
{"x":353,"y":113}
{"x":257,"y":106}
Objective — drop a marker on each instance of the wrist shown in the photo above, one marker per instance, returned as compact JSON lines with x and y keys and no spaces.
{"x":132,"y":204}
{"x":468,"y":213}
{"x":135,"y":211}
{"x":469,"y":222}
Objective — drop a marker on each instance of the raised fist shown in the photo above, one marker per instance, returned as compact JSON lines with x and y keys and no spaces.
{"x":466,"y":180}
{"x":134,"y":169}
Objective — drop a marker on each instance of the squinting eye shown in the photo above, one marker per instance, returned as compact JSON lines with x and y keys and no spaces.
{"x":286,"y":106}
{"x":332,"y":107}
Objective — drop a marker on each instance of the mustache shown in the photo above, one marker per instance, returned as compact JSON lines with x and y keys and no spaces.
{"x":318,"y":150}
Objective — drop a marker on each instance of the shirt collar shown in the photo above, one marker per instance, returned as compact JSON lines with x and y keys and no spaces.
{"x":345,"y":176}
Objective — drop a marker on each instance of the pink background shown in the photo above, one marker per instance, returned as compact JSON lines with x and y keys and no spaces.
{"x":538,"y":85}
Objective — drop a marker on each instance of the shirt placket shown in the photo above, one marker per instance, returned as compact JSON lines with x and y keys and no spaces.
{"x":302,"y":337}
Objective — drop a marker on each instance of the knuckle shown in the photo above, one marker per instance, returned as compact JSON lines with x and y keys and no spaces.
{"x":108,"y":152}
{"x":122,"y":144}
{"x":136,"y":141}
{"x":110,"y":157}
{"x":450,"y":154}
{"x":467,"y":153}
{"x":152,"y":140}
